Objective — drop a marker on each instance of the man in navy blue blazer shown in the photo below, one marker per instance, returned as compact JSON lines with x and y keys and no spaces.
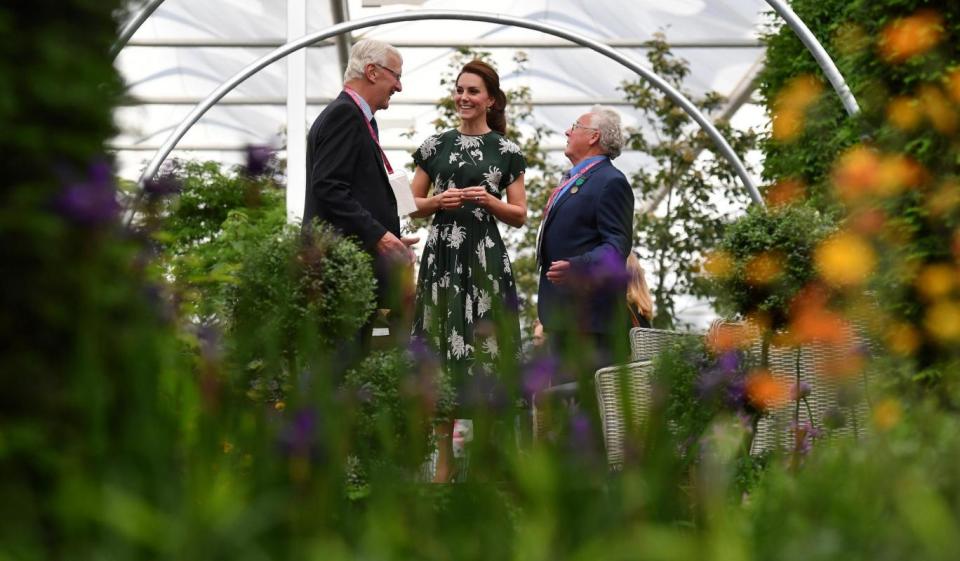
{"x":585,"y":237}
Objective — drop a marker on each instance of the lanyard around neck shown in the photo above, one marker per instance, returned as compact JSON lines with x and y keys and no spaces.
{"x":564,"y":185}
{"x":356,"y":100}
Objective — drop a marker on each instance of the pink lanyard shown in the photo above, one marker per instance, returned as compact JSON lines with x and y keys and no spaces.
{"x":564,"y":184}
{"x":356,"y":100}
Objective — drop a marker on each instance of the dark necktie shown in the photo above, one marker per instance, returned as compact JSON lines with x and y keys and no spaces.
{"x":376,"y":129}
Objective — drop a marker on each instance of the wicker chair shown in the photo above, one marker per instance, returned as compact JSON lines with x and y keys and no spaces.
{"x":815,"y":364}
{"x":630,"y":384}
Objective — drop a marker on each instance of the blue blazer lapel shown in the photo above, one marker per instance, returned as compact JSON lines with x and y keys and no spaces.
{"x":569,"y":194}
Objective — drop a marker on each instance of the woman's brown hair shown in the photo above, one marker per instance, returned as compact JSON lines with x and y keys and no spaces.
{"x":637,"y":292}
{"x":496,"y":116}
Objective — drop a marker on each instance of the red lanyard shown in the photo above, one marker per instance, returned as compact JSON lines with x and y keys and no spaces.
{"x":356,"y":100}
{"x":564,"y":184}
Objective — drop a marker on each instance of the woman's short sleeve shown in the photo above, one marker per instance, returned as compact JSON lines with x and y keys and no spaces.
{"x":427,"y":151}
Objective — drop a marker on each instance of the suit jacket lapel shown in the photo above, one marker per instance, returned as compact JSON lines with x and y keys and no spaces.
{"x":569,"y":194}
{"x":366,"y":132}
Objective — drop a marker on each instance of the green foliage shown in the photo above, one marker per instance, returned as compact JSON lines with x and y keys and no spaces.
{"x":391,"y":427}
{"x":687,"y":195}
{"x":771,"y":255}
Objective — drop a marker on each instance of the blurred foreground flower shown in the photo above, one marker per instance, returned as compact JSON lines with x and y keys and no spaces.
{"x":845,"y":260}
{"x":942,"y":321}
{"x":258,"y":159}
{"x":765,"y":392}
{"x":718,"y":264}
{"x":785,"y":192}
{"x":162,"y":185}
{"x":789,"y":109}
{"x":907,"y":37}
{"x":92,"y":201}
{"x":887,"y":414}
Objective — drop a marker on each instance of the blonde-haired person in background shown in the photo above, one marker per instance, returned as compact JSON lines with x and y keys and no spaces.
{"x":639,"y":300}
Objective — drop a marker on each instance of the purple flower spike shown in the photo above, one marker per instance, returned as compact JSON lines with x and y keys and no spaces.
{"x":299,"y":436}
{"x":92,"y":201}
{"x":258,"y":159}
{"x":538,"y":374}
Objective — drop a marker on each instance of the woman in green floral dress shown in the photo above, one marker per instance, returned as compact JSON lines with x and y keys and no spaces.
{"x":466,"y":296}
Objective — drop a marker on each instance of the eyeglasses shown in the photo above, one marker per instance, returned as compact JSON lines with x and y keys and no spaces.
{"x":394,"y":73}
{"x":577,"y":125}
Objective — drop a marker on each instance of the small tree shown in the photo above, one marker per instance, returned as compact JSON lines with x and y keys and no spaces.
{"x":695,"y":193}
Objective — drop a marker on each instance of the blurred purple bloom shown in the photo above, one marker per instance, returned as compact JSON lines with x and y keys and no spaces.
{"x":804,"y":434}
{"x":258,"y":159}
{"x":608,"y":271}
{"x":299,"y":436}
{"x":737,"y":394}
{"x":163,"y":185}
{"x":801,"y":390}
{"x":729,"y":361}
{"x":581,"y":434}
{"x":91,"y":201}
{"x":538,"y":374}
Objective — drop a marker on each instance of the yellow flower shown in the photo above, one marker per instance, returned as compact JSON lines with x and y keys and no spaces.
{"x":944,"y":200}
{"x":936,"y":281}
{"x":718,"y":264}
{"x":280,"y":406}
{"x":764,"y":268}
{"x":904,"y":113}
{"x":887,"y":414}
{"x":896,"y":173}
{"x":942,"y":321}
{"x":845,"y":260}
{"x":902,"y":339}
{"x":787,"y":124}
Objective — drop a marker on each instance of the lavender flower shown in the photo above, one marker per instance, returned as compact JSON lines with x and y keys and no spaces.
{"x":538,"y":374}
{"x":801,"y":391}
{"x":299,"y":436}
{"x":92,"y":201}
{"x":607,"y":272}
{"x":258,"y":159}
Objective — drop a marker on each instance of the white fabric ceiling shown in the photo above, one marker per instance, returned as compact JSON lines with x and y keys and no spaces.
{"x":166,"y":74}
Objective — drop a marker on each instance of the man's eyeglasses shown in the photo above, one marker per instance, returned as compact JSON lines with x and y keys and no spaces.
{"x":394,"y":73}
{"x":577,"y":125}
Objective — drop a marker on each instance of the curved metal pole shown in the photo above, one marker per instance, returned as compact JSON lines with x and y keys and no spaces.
{"x":132,"y":26}
{"x":819,"y":54}
{"x":725,"y":149}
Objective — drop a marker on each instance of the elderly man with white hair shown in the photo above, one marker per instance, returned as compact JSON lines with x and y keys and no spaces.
{"x":585,"y":237}
{"x":348,"y":173}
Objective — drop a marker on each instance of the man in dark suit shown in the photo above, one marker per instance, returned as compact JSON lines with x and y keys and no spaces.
{"x":347,"y":171}
{"x":583,"y":245}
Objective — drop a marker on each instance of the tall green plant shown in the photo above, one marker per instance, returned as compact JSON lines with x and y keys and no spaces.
{"x":697,"y":193}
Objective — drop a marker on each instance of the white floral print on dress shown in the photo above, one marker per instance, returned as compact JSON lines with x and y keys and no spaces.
{"x":492,"y":177}
{"x":508,"y":146}
{"x":456,"y":236}
{"x":458,"y":347}
{"x":429,"y":147}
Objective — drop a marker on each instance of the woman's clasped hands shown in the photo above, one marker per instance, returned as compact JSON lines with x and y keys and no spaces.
{"x":456,"y":198}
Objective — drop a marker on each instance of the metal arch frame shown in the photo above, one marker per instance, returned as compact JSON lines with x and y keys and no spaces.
{"x":820,"y":54}
{"x":722,"y":145}
{"x":783,"y":9}
{"x":132,"y":26}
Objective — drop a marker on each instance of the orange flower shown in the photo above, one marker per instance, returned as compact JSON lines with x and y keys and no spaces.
{"x":908,"y":37}
{"x":764,"y":268}
{"x":938,"y":109}
{"x":724,"y":336}
{"x":953,"y":84}
{"x":766,"y":392}
{"x":898,"y":172}
{"x":904,"y":113}
{"x":785,"y":192}
{"x":845,"y":260}
{"x":868,"y":222}
{"x":812,"y":322}
{"x":856,"y":173}
{"x":787,"y":124}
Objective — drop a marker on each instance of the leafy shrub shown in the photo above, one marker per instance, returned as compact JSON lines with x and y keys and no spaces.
{"x":764,"y":259}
